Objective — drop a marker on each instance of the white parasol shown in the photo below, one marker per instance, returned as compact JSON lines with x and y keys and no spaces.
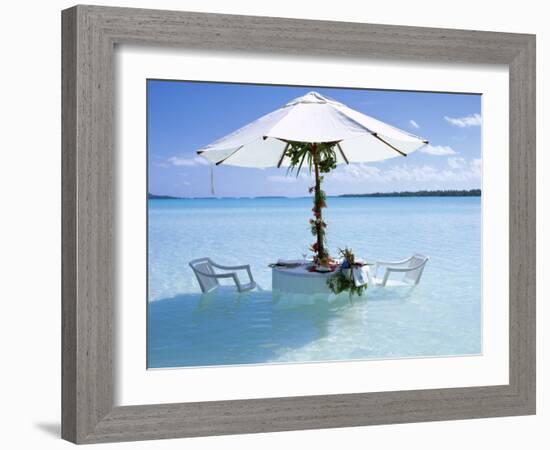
{"x":316,"y":119}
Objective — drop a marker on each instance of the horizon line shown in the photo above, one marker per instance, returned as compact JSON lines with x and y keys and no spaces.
{"x":420,"y":193}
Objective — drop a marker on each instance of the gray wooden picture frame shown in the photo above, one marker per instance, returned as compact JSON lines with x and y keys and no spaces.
{"x":89,"y":35}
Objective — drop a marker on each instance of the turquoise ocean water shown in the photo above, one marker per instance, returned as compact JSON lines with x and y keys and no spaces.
{"x":440,"y":317}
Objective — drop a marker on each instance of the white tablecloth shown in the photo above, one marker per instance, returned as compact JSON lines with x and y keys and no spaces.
{"x":298,"y":280}
{"x":295,"y":287}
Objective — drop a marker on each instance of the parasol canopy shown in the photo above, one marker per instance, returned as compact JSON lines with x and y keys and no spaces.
{"x":312,"y":118}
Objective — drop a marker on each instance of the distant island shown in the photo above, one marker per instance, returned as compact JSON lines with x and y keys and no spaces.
{"x":170,"y":197}
{"x":162,"y":197}
{"x":447,"y":193}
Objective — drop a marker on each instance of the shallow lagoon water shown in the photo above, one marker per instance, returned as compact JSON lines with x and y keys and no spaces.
{"x":440,"y":317}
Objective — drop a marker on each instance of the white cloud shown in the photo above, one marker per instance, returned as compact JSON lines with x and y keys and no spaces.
{"x":288,"y":179}
{"x":472,"y":120}
{"x":460,"y":171}
{"x":437,"y":150}
{"x":413,"y":124}
{"x":188,"y":161}
{"x":475,"y":166}
{"x":456,"y":162}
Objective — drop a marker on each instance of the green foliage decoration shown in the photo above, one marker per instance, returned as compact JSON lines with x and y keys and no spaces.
{"x":319,"y":158}
{"x":342,"y":280}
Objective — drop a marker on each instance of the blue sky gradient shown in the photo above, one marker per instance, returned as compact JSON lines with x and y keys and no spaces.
{"x":185,"y":116}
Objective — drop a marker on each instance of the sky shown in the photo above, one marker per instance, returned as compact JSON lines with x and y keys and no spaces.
{"x":184,"y":116}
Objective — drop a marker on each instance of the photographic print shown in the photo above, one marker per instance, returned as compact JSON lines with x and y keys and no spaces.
{"x":299,"y":224}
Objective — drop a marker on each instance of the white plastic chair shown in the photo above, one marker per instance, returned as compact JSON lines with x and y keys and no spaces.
{"x":208,"y":277}
{"x":411,"y":270}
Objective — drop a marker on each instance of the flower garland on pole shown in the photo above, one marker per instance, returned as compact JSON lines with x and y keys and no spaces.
{"x":321,"y":159}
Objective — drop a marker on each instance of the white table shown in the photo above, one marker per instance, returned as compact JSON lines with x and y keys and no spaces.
{"x":298,"y":280}
{"x":297,"y":285}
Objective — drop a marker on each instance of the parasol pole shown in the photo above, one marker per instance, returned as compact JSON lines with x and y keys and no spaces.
{"x":317,"y":204}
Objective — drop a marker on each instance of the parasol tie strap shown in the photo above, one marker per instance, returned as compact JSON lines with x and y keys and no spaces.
{"x":212,"y":179}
